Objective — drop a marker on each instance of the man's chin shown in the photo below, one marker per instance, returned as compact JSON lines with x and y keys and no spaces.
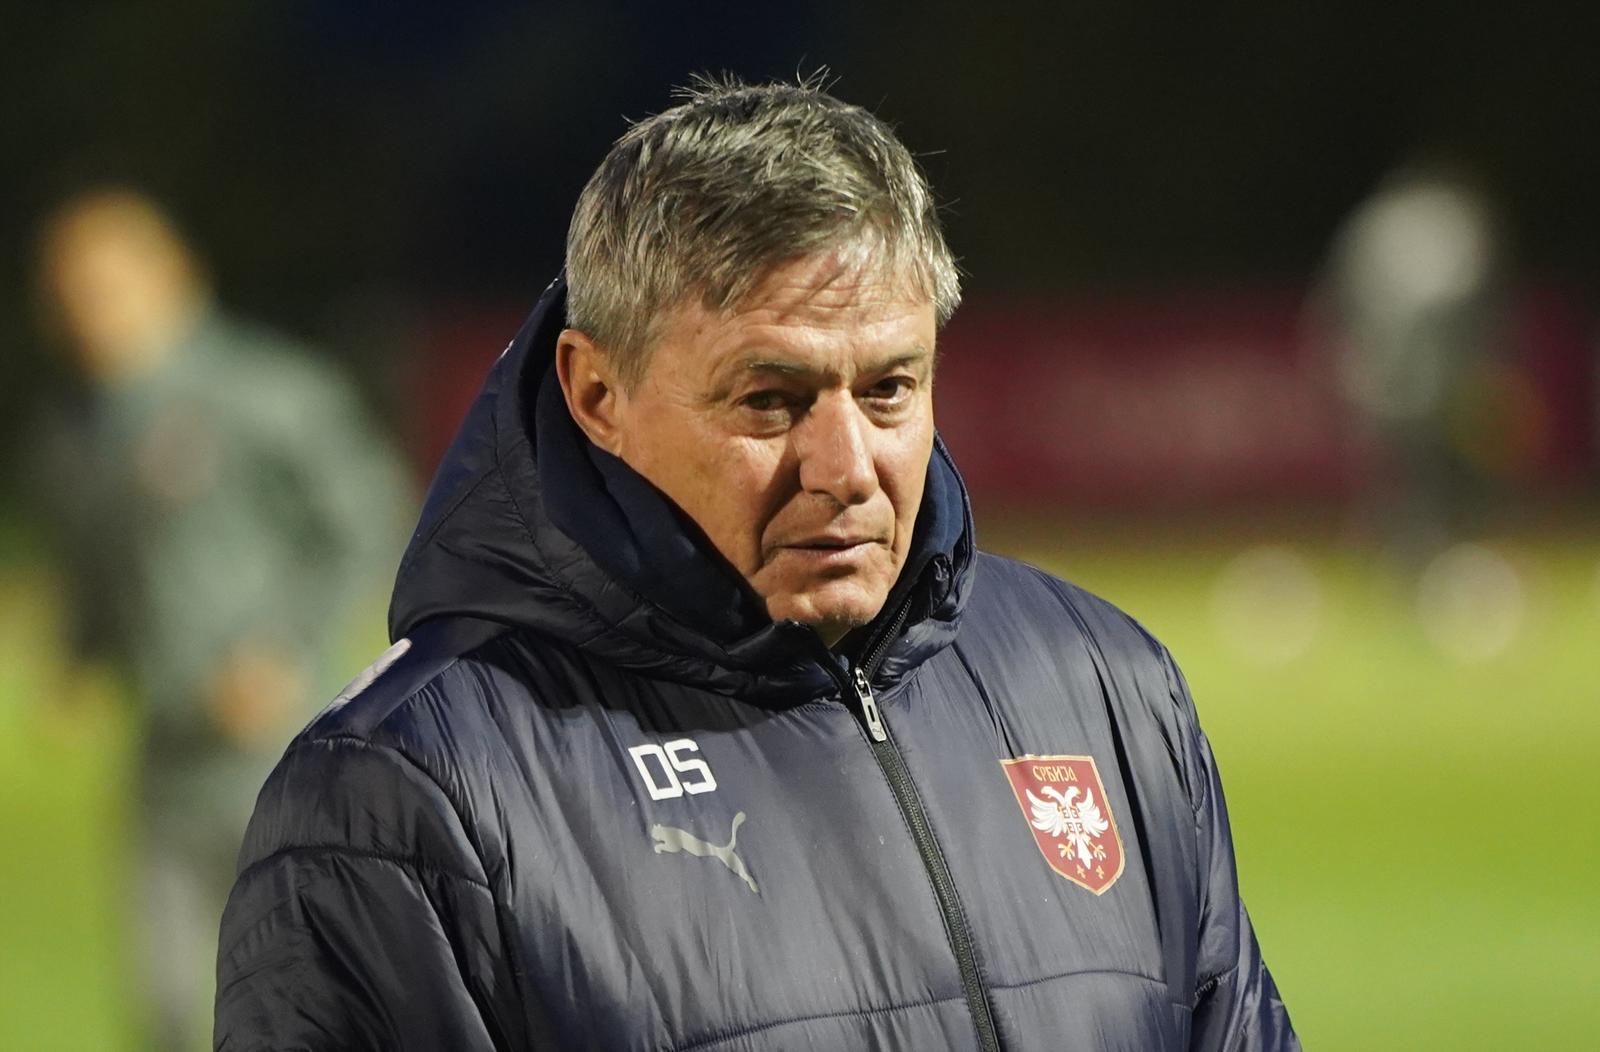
{"x":831,"y":612}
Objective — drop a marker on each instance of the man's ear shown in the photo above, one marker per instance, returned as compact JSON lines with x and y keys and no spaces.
{"x":589,"y":384}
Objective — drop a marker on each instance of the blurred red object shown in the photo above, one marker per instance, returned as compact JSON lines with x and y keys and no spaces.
{"x":1162,"y":400}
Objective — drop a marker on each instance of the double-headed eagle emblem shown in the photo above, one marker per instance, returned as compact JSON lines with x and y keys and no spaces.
{"x":1064,"y":800}
{"x":1077,"y":821}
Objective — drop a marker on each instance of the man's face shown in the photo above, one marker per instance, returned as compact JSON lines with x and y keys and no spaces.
{"x":795,"y":431}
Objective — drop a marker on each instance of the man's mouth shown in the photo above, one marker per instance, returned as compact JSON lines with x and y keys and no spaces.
{"x":830,"y":555}
{"x":824,"y":544}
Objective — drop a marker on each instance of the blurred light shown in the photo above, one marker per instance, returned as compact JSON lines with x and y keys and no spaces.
{"x":1471,"y":602}
{"x":1267,"y":604}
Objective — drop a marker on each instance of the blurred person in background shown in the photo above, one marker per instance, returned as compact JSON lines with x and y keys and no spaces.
{"x":1415,"y":299}
{"x":220,"y":510}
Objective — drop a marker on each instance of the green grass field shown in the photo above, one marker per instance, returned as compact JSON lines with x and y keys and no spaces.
{"x":1417,"y":830}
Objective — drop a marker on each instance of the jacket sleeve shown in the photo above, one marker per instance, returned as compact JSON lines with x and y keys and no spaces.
{"x":361,"y":917}
{"x":1236,"y":1004}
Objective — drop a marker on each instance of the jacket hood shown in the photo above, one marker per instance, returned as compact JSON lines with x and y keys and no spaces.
{"x":529,"y":524}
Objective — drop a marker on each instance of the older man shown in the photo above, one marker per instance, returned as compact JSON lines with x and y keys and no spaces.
{"x":707,"y":726}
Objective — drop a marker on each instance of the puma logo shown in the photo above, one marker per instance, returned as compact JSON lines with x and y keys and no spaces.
{"x":670,"y":840}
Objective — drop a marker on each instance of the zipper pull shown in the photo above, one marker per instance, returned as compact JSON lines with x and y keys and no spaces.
{"x":869,"y":707}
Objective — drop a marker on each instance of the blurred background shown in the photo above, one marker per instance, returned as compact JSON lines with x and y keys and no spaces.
{"x":1280,"y":332}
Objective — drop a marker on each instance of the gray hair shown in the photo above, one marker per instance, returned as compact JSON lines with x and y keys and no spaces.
{"x":708,"y":197}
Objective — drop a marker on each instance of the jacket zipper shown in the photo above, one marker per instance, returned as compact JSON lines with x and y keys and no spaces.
{"x":905,"y":794}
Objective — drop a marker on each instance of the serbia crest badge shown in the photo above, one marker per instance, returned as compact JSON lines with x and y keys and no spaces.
{"x":1065,"y":805}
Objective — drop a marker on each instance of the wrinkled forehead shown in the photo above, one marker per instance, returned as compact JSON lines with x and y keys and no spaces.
{"x":827,"y":314}
{"x":857,"y":294}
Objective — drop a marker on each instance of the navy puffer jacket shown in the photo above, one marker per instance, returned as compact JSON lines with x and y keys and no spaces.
{"x":593,"y":798}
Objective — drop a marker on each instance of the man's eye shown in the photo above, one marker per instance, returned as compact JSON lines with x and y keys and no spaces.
{"x":765,"y":401}
{"x":892,"y":389}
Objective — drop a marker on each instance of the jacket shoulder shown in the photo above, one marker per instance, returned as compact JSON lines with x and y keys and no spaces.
{"x":361,"y":821}
{"x":382,"y":752}
{"x":369,"y":705}
{"x":1018,"y":608}
{"x":1016,"y":596}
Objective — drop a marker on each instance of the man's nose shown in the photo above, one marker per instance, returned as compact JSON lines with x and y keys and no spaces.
{"x":834,"y":447}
